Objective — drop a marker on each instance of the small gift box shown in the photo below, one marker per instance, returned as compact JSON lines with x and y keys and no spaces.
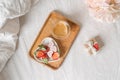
{"x":94,"y":45}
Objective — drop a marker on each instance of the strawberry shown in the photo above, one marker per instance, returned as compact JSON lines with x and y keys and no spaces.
{"x":96,"y":46}
{"x":55,"y":56}
{"x":44,"y":56}
{"x":41,"y":54}
{"x":47,"y":49}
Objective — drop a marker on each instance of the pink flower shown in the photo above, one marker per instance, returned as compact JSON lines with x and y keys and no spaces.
{"x":104,"y":10}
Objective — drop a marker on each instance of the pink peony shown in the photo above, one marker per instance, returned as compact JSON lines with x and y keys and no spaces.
{"x":104,"y":10}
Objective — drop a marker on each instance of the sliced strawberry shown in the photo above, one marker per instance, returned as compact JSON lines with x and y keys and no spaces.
{"x":96,"y":46}
{"x":39,"y":54}
{"x":44,"y":56}
{"x":55,"y":56}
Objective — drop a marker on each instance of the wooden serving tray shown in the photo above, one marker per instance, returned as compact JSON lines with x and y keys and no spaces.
{"x":64,"y":44}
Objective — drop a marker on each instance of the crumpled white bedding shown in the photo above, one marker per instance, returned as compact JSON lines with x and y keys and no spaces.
{"x":10,"y":10}
{"x":8,"y":38}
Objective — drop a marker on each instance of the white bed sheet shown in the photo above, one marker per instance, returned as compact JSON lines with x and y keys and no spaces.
{"x":78,"y":65}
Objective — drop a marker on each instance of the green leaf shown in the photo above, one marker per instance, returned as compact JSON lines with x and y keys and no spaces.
{"x":45,"y":61}
{"x":59,"y":51}
{"x":42,"y":47}
{"x":35,"y":52}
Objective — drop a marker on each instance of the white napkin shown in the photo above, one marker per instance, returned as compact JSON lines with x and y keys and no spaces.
{"x":10,"y":11}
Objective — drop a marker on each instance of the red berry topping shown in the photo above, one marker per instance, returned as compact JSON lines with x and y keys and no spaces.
{"x":41,"y":54}
{"x":55,"y":56}
{"x":96,"y":46}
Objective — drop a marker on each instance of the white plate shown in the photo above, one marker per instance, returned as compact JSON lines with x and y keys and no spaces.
{"x":45,"y":41}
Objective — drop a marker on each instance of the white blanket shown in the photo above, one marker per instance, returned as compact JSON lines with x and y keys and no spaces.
{"x":10,"y":10}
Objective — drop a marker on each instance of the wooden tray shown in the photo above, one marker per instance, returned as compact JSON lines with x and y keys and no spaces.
{"x":64,"y":45}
